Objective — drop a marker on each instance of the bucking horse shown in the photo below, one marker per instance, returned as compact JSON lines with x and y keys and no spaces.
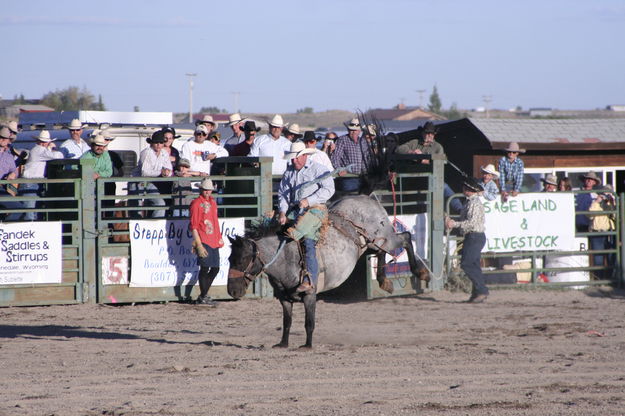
{"x":357,"y":224}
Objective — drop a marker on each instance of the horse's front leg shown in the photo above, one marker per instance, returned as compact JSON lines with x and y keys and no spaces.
{"x":287,"y":318}
{"x":417,"y":268}
{"x":385,"y":284}
{"x":310,"y":304}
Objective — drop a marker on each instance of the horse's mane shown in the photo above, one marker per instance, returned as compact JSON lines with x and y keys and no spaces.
{"x":263,"y":227}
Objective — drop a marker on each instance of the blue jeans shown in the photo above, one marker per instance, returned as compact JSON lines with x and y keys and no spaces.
{"x":470,"y":262}
{"x":29,"y":189}
{"x":348,"y":184}
{"x":312,"y":266}
{"x":139,"y":188}
{"x":16,"y":205}
{"x":455,"y":205}
{"x":598,"y":243}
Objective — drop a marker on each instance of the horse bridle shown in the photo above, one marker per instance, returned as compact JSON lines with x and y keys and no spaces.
{"x":237,"y":274}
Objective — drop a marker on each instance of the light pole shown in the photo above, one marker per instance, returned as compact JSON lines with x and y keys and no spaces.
{"x":191,"y":75}
{"x":487,"y":99}
{"x":420,"y":98}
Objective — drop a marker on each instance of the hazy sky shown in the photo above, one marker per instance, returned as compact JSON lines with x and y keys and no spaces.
{"x":325,"y":54}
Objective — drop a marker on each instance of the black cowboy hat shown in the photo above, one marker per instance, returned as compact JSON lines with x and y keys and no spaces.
{"x":171,"y":130}
{"x":309,"y":136}
{"x":250,"y":125}
{"x":157,"y":137}
{"x":429,"y":127}
{"x":473,"y":185}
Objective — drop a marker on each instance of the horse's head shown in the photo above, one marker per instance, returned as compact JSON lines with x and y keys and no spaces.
{"x":245,"y":265}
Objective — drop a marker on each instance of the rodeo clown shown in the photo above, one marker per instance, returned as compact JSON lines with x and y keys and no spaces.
{"x":303,"y":192}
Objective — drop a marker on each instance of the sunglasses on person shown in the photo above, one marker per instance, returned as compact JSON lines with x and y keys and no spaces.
{"x":199,"y":133}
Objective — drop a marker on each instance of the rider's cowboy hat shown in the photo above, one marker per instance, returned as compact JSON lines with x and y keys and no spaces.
{"x":234,"y":119}
{"x":207,"y":185}
{"x":550,"y":179}
{"x":99,"y":140}
{"x":490,"y":169}
{"x":514,"y":147}
{"x":591,"y":175}
{"x":354,"y":124}
{"x":75,"y":124}
{"x":294,"y":129}
{"x":276,"y":121}
{"x":473,"y":185}
{"x":206,"y":119}
{"x":44,"y":136}
{"x":298,"y":149}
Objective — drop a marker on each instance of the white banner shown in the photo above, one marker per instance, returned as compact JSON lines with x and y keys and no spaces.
{"x":30,"y":252}
{"x":161,"y":255}
{"x":531,"y":222}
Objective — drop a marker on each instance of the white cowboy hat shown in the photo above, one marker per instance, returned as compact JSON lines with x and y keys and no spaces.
{"x":5,"y":133}
{"x":550,"y":179}
{"x":206,"y":119}
{"x":298,"y":149}
{"x":234,"y":119}
{"x":591,"y":175}
{"x":490,"y":168}
{"x":354,"y":124}
{"x":75,"y":124}
{"x":514,"y":147}
{"x":207,"y":185}
{"x":99,"y":140}
{"x":14,"y":127}
{"x":276,"y":121}
{"x":44,"y":136}
{"x":294,"y":129}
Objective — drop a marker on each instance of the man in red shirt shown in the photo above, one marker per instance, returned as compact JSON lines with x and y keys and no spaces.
{"x":206,"y":239}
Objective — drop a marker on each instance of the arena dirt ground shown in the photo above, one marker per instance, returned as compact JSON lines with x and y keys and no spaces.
{"x":557,"y":352}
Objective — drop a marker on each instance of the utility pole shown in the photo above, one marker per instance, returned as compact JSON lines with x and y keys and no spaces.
{"x":236,"y":95}
{"x":191,"y":75}
{"x":421,"y":92}
{"x":487,"y":100}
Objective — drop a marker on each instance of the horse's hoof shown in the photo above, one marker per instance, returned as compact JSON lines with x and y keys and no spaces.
{"x":387,"y":285}
{"x":281,"y":345}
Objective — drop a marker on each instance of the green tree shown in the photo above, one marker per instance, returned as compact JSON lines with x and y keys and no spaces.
{"x":19,"y":100}
{"x":212,"y":110}
{"x":453,"y":113}
{"x":71,"y":99}
{"x":435,"y":101}
{"x":305,"y":110}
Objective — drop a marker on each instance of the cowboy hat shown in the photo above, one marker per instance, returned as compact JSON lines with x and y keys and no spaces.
{"x":184,"y":162}
{"x":514,"y":147}
{"x":591,"y":175}
{"x":550,"y":179}
{"x":157,"y":137}
{"x":276,"y":121}
{"x":201,"y":128}
{"x":309,"y":136}
{"x":99,"y":140}
{"x":13,"y":127}
{"x":250,"y":125}
{"x":490,"y":168}
{"x":354,"y":124}
{"x":234,"y":119}
{"x":429,"y":127}
{"x":44,"y":136}
{"x":206,"y":119}
{"x":298,"y":149}
{"x":294,"y":129}
{"x":207,"y":185}
{"x":75,"y":124}
{"x":5,"y":133}
{"x":473,"y":185}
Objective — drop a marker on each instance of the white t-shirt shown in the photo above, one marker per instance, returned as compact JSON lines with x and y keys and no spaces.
{"x":194,"y":151}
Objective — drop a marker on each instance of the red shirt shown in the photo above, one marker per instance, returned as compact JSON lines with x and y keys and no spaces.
{"x":204,"y":220}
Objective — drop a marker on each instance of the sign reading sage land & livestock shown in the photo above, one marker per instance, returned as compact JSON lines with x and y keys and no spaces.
{"x":160,"y":252}
{"x":531,"y":222}
{"x":30,"y":252}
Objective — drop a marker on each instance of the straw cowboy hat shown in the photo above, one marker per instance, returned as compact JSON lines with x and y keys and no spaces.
{"x":276,"y":121}
{"x":298,"y":149}
{"x":5,"y":133}
{"x":44,"y":136}
{"x":514,"y":147}
{"x":99,"y":140}
{"x":14,"y":127}
{"x":591,"y":175}
{"x":294,"y":129}
{"x":550,"y":179}
{"x":206,"y":119}
{"x":234,"y":119}
{"x":184,"y":162}
{"x":75,"y":124}
{"x":354,"y":124}
{"x":490,"y":168}
{"x":207,"y":185}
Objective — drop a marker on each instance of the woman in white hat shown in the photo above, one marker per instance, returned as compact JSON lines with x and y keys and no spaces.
{"x":491,"y":190}
{"x":35,"y":168}
{"x":511,"y":170}
{"x":207,"y":241}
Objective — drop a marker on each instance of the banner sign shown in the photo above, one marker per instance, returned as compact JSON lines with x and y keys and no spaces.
{"x":531,"y":222}
{"x":161,"y":254}
{"x":30,"y":252}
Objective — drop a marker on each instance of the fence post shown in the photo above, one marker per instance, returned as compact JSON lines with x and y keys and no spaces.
{"x":265,"y":196}
{"x":437,"y":181}
{"x":89,"y":230}
{"x":621,"y":230}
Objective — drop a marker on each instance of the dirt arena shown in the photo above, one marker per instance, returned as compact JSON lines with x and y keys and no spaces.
{"x":520,"y":353}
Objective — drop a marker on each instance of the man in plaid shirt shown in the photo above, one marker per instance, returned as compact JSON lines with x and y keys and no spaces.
{"x":511,"y":171}
{"x":351,"y":149}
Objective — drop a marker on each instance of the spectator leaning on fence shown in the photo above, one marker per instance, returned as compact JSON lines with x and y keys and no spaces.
{"x":103,"y":166}
{"x":75,"y":146}
{"x":601,"y":223}
{"x":511,"y":170}
{"x":200,"y":152}
{"x":354,"y":150}
{"x":153,"y":162}
{"x":273,"y":145}
{"x":489,"y":174}
{"x":583,"y":200}
{"x":8,"y":171}
{"x":235,"y":123}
